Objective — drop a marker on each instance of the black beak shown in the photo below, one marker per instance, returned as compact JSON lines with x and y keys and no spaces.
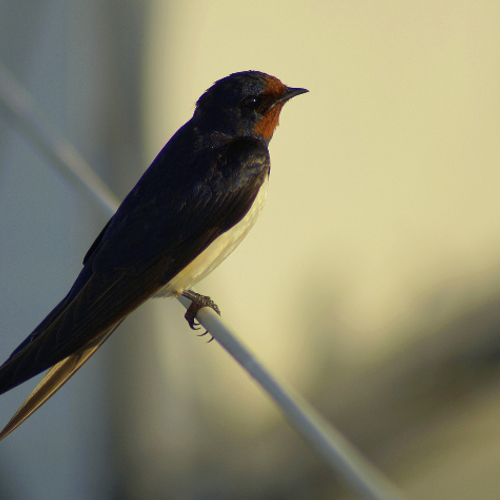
{"x":291,"y":92}
{"x":287,"y":95}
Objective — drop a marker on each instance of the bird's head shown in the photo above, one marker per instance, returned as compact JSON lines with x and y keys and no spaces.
{"x":246,"y":104}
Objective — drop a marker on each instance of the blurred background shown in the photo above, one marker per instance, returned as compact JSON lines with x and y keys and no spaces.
{"x":371,"y":283}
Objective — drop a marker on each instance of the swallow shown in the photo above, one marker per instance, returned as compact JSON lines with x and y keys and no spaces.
{"x":190,"y":209}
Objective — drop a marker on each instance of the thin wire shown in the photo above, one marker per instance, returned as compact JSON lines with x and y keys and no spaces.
{"x":338,"y":452}
{"x":356,"y":471}
{"x":20,"y":107}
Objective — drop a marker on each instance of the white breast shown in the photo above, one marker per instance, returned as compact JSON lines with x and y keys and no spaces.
{"x":220,"y":248}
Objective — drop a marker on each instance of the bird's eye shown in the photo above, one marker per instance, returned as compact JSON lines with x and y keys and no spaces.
{"x":252,"y":102}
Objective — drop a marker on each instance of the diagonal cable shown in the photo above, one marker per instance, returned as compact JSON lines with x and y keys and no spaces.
{"x":20,"y":107}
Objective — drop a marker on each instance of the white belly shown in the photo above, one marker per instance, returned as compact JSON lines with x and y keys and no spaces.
{"x":220,"y":248}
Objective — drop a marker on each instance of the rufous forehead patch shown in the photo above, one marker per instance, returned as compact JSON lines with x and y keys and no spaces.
{"x":274,"y":86}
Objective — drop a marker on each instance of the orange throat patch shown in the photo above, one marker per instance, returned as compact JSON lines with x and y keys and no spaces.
{"x":266,"y":126}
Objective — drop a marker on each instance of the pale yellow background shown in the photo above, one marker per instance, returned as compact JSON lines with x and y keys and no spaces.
{"x":385,"y":178}
{"x":371,"y":283}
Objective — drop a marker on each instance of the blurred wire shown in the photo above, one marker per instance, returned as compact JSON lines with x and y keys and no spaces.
{"x":338,"y":452}
{"x":342,"y":457}
{"x":20,"y":107}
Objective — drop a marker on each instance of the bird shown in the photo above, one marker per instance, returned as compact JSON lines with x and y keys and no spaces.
{"x":190,"y":209}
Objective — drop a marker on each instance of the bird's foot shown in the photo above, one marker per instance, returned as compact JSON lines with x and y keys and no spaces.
{"x":197,"y":302}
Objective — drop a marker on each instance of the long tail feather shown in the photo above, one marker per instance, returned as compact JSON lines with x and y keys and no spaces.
{"x":58,"y":375}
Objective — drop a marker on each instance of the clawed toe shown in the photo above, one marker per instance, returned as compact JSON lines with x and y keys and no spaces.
{"x":198,"y":301}
{"x":203,"y":334}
